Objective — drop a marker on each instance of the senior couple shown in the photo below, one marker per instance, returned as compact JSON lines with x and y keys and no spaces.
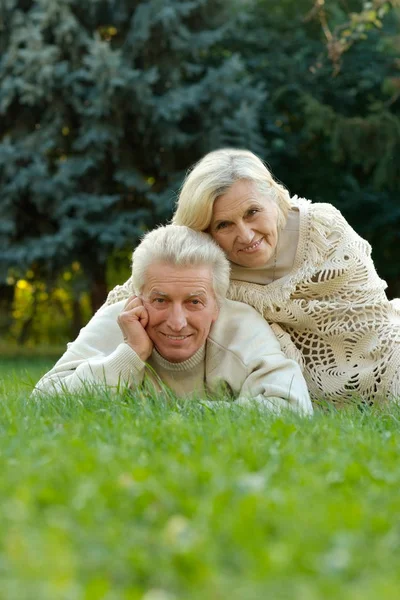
{"x":322,"y":307}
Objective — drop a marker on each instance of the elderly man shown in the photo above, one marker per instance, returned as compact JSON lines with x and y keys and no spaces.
{"x":181,"y":331}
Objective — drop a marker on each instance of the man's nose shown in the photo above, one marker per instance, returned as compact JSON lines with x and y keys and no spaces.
{"x":244,"y":233}
{"x":177,"y":318}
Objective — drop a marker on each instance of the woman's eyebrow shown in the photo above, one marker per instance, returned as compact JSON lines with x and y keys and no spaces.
{"x":218,"y":221}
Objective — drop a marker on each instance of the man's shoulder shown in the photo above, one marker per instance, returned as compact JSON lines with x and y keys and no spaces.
{"x":111,"y":309}
{"x":106,"y":316}
{"x":238,"y":322}
{"x":230,"y":308}
{"x":239,"y":337}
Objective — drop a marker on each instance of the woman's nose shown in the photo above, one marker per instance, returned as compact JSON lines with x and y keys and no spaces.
{"x":244,"y":233}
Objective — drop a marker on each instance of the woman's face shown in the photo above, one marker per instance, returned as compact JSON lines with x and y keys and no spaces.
{"x":244,"y":224}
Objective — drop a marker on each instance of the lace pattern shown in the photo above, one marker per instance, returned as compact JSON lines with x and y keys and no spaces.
{"x":337,"y":317}
{"x":120,"y":292}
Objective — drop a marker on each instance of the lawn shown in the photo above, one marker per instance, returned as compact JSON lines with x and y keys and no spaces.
{"x":126,"y":498}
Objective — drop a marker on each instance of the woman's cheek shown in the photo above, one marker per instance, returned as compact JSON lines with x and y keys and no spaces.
{"x":222,"y":240}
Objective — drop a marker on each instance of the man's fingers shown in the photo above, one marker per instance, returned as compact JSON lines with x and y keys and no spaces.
{"x":138,"y":313}
{"x":133,"y":322}
{"x":132,"y":302}
{"x":143,"y":316}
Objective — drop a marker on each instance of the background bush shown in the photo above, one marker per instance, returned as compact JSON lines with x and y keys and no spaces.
{"x":104,"y":105}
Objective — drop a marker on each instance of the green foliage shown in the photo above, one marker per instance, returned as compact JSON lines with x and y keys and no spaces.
{"x":345,"y":24}
{"x":102,"y":108}
{"x":121,"y":497}
{"x":332,"y":135}
{"x":48,"y":314}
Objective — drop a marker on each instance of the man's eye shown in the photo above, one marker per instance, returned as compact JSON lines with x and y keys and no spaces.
{"x":159,"y":300}
{"x":196,"y":303}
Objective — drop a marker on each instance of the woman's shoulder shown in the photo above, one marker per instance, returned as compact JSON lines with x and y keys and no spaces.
{"x":323,"y":223}
{"x":323,"y":211}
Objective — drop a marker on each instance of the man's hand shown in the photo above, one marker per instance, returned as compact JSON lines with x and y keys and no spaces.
{"x":133,"y":321}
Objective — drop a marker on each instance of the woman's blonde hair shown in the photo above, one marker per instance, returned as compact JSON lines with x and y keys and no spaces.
{"x":213,"y":175}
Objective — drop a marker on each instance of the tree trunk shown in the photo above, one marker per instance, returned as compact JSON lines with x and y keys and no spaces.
{"x":6,"y":302}
{"x":27,"y":325}
{"x":77,"y":323}
{"x":98,"y":288}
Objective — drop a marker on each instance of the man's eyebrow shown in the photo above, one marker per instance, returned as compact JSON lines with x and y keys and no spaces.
{"x":157,"y":293}
{"x":198,"y":293}
{"x":191,"y":295}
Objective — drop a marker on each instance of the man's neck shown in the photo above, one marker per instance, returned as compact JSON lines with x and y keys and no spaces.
{"x":185,"y":365}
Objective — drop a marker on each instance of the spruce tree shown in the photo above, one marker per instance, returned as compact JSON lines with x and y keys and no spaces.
{"x":103,"y":106}
{"x":332,"y":135}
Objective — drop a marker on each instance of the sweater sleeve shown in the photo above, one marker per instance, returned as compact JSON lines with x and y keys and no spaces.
{"x":275,"y":383}
{"x":98,"y":357}
{"x":251,"y":362}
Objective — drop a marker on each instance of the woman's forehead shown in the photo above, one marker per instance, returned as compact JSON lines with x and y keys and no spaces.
{"x":236,"y":198}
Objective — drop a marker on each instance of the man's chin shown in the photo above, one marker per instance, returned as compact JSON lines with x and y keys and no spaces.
{"x":175,"y":355}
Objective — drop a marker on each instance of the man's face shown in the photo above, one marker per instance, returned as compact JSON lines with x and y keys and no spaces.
{"x":181,"y":306}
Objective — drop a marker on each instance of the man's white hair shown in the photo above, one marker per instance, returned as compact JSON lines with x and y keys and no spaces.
{"x":181,"y":246}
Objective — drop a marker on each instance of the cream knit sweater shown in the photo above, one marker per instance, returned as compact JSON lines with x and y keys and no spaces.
{"x":329,"y":310}
{"x":241,"y":354}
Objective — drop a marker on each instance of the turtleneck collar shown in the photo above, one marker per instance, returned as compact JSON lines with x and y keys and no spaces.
{"x":186,"y":365}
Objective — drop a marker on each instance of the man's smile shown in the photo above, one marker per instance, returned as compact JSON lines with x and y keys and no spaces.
{"x":175,"y":337}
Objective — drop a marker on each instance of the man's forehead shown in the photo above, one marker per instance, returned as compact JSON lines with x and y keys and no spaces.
{"x":154,"y":291}
{"x":164,"y":278}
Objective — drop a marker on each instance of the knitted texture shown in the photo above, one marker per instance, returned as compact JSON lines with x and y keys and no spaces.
{"x":121,"y":292}
{"x":330,"y":313}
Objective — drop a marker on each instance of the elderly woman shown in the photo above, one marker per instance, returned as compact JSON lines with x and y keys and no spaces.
{"x":304,"y":269}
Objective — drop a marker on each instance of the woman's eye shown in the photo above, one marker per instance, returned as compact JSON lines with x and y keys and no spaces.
{"x":252,"y":212}
{"x":222,"y":225}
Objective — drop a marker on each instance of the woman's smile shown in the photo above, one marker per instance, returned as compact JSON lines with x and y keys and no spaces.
{"x":253,"y":248}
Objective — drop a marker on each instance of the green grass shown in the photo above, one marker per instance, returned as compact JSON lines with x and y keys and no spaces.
{"x":127,"y":498}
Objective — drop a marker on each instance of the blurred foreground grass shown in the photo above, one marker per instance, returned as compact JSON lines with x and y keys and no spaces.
{"x":126,"y":498}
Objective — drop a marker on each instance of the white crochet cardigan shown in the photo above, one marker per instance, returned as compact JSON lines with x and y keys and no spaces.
{"x":330,"y":312}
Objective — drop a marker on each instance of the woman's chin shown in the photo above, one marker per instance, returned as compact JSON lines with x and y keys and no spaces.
{"x":252,"y":260}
